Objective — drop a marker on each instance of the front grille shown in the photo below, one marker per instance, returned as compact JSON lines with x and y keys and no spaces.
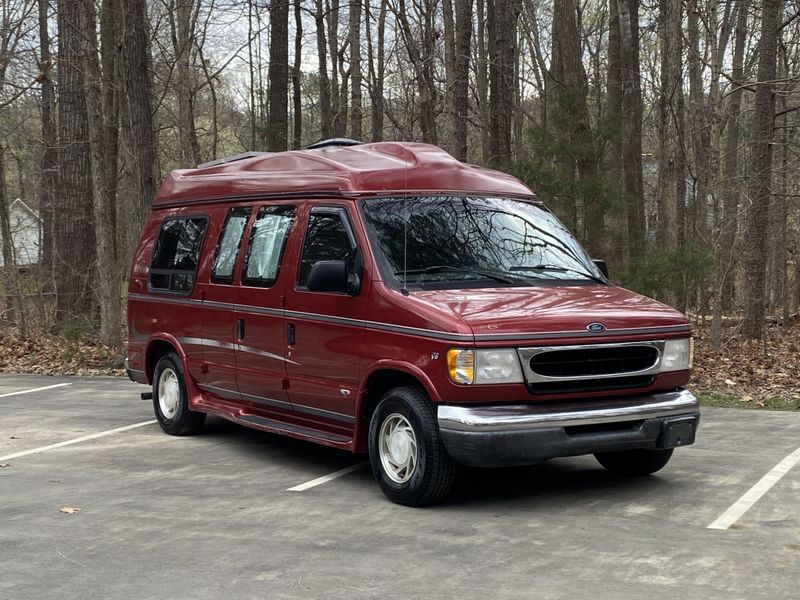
{"x":590,"y":385}
{"x":585,"y":362}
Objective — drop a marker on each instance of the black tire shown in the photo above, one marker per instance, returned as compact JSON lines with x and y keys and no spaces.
{"x":634,"y":463}
{"x":182,"y":421}
{"x":434,"y":472}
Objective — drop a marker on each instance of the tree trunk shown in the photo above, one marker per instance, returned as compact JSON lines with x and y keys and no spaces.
{"x":183,"y":41}
{"x":49,"y":186}
{"x":297,"y":106}
{"x":110,"y":108}
{"x":278,"y":75}
{"x":9,"y":311}
{"x":449,"y":74}
{"x":760,"y":175}
{"x":377,"y":70}
{"x":356,"y":116}
{"x":502,"y":44}
{"x":481,"y":80}
{"x":671,"y":175}
{"x":74,"y":248}
{"x":632,"y":178}
{"x":137,"y":181}
{"x":461,"y":78}
{"x":324,"y":84}
{"x":106,"y":281}
{"x":725,"y":260}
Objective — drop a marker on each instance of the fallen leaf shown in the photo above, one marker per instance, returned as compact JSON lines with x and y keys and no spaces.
{"x":70,"y":510}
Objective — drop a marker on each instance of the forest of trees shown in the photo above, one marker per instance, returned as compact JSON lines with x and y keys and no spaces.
{"x":662,"y":132}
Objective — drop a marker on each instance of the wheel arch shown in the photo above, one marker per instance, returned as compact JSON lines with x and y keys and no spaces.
{"x":157,"y":346}
{"x":382,"y":377}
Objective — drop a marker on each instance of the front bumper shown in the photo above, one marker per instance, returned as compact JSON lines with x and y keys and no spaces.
{"x":521,"y":434}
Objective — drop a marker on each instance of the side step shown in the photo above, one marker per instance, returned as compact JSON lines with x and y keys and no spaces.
{"x":281,"y":427}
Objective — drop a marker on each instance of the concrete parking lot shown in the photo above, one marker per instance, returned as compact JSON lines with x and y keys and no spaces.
{"x":212,"y":516}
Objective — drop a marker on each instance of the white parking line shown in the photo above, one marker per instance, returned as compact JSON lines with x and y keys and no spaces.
{"x":754,"y":494}
{"x":85,"y":438}
{"x":325,"y":478}
{"x":39,"y":389}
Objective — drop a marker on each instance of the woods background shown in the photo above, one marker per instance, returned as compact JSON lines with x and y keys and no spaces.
{"x":663,"y":133}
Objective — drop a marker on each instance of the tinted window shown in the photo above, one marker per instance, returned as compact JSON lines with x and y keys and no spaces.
{"x":177,"y":253}
{"x":434,"y":240}
{"x":228,"y":247}
{"x":326,"y":239}
{"x":267,"y":243}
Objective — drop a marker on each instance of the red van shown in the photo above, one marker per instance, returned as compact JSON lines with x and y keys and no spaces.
{"x":387,"y":299}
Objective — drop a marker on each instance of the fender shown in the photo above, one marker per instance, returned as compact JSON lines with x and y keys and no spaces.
{"x":359,"y":437}
{"x":194,"y":397}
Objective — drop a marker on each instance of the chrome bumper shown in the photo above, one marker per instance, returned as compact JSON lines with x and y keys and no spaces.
{"x":520,"y":434}
{"x":521,"y":417}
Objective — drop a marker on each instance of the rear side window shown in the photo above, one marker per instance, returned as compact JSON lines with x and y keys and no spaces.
{"x":230,"y":240}
{"x":177,"y":253}
{"x":268,"y":237}
{"x":327,"y":238}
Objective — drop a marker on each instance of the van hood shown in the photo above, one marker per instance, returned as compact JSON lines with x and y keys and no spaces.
{"x":559,"y":310}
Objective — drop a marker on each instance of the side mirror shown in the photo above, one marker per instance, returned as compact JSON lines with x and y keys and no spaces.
{"x":328,"y":276}
{"x":335,"y":276}
{"x":601,"y":264}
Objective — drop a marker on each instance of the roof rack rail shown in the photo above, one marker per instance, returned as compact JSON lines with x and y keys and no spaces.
{"x":233,"y":158}
{"x":333,"y":142}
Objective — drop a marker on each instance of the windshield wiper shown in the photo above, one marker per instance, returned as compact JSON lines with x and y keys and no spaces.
{"x":557,"y":269}
{"x":451,"y":269}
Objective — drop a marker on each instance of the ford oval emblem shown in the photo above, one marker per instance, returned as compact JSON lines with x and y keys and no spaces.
{"x":596,"y":327}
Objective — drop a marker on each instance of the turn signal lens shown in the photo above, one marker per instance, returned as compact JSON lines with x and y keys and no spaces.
{"x":461,"y":365}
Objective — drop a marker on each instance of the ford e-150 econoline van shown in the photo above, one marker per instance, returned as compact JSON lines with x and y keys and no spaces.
{"x":387,"y":299}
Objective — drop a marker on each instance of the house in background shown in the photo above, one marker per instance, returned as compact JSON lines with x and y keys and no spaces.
{"x":26,"y":234}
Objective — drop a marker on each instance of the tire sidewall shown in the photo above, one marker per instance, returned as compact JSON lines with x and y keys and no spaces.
{"x":395,"y":403}
{"x":169,"y":361}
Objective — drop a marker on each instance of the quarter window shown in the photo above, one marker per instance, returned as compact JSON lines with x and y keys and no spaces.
{"x":229,"y":244}
{"x":268,"y":237}
{"x":176,"y":254}
{"x":327,"y":238}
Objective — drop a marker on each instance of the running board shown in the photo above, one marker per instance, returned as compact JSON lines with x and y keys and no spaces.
{"x":294,"y":430}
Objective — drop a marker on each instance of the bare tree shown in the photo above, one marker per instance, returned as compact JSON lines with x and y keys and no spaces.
{"x":137,"y":141}
{"x":74,"y":230}
{"x":760,"y":174}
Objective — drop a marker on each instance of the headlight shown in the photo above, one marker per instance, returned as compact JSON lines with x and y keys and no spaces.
{"x":494,"y":365}
{"x":677,"y":355}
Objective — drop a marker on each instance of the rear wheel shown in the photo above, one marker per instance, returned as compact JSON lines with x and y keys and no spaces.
{"x":634,"y":463}
{"x":170,"y":401}
{"x":405,"y":450}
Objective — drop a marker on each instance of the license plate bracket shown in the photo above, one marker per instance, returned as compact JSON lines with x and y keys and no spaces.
{"x":678,"y":432}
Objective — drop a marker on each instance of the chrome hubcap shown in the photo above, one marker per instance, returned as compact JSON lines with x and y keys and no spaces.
{"x":397,"y":447}
{"x":169,"y":393}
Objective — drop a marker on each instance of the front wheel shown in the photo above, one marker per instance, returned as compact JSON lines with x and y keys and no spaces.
{"x":634,"y":463}
{"x":406,"y":453}
{"x":170,"y":401}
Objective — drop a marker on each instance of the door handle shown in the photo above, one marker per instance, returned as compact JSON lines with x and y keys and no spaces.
{"x":290,"y":334}
{"x":240,"y":329}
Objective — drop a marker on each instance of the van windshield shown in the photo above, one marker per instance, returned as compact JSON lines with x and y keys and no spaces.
{"x":441,"y":242}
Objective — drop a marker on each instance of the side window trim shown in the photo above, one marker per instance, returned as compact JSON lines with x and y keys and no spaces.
{"x":290,"y":209}
{"x":325,"y":209}
{"x":243,"y":211}
{"x":160,"y":271}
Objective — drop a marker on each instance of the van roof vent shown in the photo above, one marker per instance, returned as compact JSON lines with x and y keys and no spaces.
{"x":233,"y":158}
{"x":333,"y":142}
